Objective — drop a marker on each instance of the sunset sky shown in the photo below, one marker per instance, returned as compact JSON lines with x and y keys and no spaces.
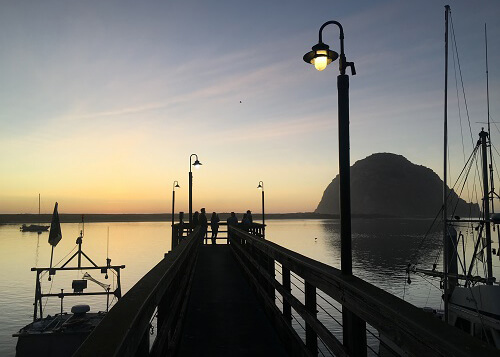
{"x":102,"y":102}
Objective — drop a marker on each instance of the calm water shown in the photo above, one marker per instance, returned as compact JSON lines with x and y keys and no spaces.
{"x":381,"y":250}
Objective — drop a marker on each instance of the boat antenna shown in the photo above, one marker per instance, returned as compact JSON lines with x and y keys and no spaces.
{"x":445,"y":163}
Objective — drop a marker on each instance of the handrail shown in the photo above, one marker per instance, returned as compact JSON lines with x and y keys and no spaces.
{"x":408,"y":327}
{"x":124,"y":331}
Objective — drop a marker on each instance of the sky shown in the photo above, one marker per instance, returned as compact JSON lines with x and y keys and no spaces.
{"x":103,"y":102}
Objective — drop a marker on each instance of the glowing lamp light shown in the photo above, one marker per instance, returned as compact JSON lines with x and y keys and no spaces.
{"x":320,"y":56}
{"x":197,"y":164}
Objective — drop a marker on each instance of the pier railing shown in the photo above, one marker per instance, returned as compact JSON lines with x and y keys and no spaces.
{"x":162,"y":293}
{"x":407,"y":327}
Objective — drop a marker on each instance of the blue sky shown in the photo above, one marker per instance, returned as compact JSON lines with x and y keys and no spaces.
{"x":102,"y":102}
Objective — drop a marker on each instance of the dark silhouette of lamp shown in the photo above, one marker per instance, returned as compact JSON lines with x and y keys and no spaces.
{"x":196,"y":164}
{"x":321,"y":56}
{"x":261,"y":187}
{"x":174,"y":186}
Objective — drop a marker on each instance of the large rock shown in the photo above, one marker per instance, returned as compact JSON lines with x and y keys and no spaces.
{"x":389,"y":184}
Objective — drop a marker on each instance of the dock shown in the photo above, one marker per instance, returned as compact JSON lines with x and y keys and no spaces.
{"x":226,"y":299}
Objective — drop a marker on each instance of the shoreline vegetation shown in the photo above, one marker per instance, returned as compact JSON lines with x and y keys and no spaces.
{"x":161,"y":217}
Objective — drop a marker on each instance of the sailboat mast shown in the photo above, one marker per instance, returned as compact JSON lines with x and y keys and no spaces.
{"x":489,"y":198}
{"x":445,"y":163}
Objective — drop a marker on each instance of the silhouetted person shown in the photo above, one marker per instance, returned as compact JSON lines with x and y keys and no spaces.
{"x":246,"y":222}
{"x":232,"y":220}
{"x":203,"y":222}
{"x":249,"y":216}
{"x":214,"y":225}
{"x":196,"y":219}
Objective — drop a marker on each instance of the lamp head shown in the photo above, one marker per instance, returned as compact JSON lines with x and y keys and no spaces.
{"x":177,"y":185}
{"x":259,"y":187}
{"x":197,"y":164}
{"x":320,"y":56}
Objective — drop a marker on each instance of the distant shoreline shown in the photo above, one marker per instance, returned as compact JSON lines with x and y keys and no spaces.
{"x":156,"y":217}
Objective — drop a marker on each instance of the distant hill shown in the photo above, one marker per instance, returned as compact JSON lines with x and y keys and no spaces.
{"x":389,"y":184}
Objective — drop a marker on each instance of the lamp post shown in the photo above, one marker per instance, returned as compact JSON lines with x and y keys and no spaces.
{"x":174,"y":186}
{"x":196,"y":164}
{"x":321,"y":56}
{"x":261,"y":187}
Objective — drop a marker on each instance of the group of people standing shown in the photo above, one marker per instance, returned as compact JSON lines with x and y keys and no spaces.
{"x":200,"y":219}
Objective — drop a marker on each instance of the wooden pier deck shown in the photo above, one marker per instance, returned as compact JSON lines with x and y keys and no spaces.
{"x":226,"y":300}
{"x":225,"y":318}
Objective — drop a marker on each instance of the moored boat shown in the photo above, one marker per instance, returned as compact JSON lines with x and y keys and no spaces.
{"x":61,"y":333}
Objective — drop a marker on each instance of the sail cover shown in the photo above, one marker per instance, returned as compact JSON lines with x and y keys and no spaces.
{"x":55,"y":234}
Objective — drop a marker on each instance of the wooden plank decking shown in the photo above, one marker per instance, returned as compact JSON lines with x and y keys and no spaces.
{"x":224,"y":316}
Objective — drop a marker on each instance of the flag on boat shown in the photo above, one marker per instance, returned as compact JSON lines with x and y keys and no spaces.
{"x":55,"y":234}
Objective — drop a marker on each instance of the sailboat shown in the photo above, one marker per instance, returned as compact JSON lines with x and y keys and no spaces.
{"x":35,"y":227}
{"x":471,"y":301}
{"x":63,"y":332}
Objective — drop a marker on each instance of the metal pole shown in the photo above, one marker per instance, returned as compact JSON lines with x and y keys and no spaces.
{"x":263,"y":214}
{"x":190,"y":194}
{"x":344,"y":174}
{"x":173,"y":206}
{"x":486,"y":206}
{"x":445,"y":163}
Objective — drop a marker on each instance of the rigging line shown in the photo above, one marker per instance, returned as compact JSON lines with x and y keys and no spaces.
{"x":463,"y":186}
{"x":429,"y":282}
{"x":419,"y":249}
{"x":454,"y":42}
{"x":458,"y":105}
{"x":45,"y":272}
{"x":493,"y":159}
{"x":50,"y":290}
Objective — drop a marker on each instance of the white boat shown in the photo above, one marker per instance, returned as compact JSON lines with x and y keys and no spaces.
{"x":471,"y":302}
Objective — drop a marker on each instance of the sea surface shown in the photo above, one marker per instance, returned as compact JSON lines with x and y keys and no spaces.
{"x":381,"y":250}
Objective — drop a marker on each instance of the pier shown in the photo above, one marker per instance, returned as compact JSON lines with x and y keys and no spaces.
{"x":238,"y":298}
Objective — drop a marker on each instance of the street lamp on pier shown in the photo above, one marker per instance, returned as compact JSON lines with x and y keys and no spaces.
{"x":196,"y":164}
{"x":261,"y":187}
{"x":321,"y":56}
{"x":174,"y":186}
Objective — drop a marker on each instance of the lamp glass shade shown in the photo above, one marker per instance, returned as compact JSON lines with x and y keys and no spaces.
{"x":321,"y":60}
{"x":197,"y":164}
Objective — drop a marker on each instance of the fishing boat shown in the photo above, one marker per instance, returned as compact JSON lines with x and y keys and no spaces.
{"x":61,"y":333}
{"x":35,"y":227}
{"x":471,"y":293}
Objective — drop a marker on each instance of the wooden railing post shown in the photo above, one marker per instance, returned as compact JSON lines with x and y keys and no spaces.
{"x":310,"y":302}
{"x":287,"y":308}
{"x":354,"y":332}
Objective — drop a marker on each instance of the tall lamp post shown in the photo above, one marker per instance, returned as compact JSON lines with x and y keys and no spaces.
{"x":174,"y":186}
{"x":196,"y":164}
{"x":261,"y":187}
{"x":321,"y":56}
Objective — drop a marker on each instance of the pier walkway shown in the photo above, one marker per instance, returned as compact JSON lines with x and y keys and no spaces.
{"x":225,"y":318}
{"x":235,"y":298}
